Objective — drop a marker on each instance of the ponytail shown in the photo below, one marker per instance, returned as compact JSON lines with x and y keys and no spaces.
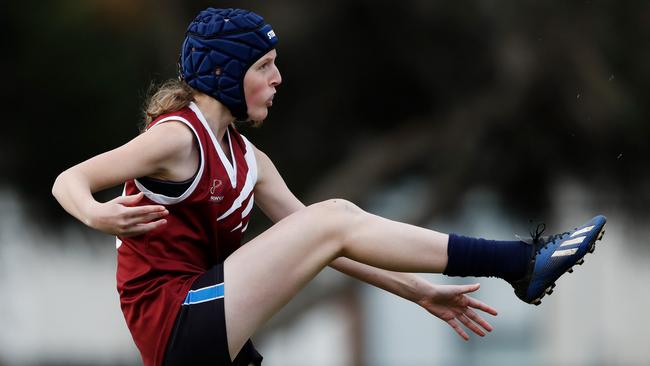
{"x":173,"y":95}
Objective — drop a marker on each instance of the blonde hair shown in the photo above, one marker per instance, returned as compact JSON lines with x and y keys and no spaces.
{"x":171,"y":96}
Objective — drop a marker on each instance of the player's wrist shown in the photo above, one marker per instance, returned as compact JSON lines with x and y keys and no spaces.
{"x":89,"y":209}
{"x":423,"y":294}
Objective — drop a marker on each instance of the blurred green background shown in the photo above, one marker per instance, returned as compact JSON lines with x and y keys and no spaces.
{"x":475,"y":117}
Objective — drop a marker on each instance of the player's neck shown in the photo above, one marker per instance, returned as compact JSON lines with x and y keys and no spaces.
{"x":217,"y":115}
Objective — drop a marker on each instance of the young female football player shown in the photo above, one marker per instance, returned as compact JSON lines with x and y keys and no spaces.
{"x":190,"y":292}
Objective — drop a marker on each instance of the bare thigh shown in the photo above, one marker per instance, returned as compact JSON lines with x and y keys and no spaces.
{"x":263,"y":275}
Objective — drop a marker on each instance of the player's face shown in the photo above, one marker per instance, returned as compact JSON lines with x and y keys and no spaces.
{"x":259,"y":86}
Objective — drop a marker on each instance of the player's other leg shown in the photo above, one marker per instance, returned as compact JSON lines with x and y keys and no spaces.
{"x":264,"y":274}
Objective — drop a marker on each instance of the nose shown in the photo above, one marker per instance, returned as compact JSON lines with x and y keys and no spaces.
{"x":276,"y":78}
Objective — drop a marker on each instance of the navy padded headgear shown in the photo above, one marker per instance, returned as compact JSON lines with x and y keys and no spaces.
{"x":219,"y":47}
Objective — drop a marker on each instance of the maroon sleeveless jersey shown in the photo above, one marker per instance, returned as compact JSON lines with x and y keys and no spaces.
{"x":204,"y":226}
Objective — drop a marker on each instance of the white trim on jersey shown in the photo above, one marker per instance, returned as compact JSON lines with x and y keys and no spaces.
{"x":236,"y":227}
{"x":231,"y":169}
{"x":245,"y":213}
{"x":251,"y":160}
{"x":249,"y":206}
{"x":245,"y":192}
{"x":251,"y":180}
{"x":167,"y":200}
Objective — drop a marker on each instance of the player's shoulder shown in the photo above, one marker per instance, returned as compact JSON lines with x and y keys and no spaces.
{"x":171,"y":137}
{"x":259,"y":154}
{"x":185,"y":113}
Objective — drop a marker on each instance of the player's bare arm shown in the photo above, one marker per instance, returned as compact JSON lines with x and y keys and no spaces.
{"x":164,"y":152}
{"x":272,"y":195}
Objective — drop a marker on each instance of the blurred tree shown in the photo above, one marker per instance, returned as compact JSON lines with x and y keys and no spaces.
{"x":509,"y":96}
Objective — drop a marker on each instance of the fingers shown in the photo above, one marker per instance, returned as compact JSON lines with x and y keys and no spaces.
{"x":145,"y":218}
{"x":478,"y":320}
{"x":129,"y":200}
{"x":122,"y":217}
{"x":140,"y":229}
{"x":458,"y":329}
{"x":465,"y":289}
{"x":466,"y":315}
{"x":481,"y":306}
{"x":470,"y":325}
{"x":470,"y":320}
{"x":132,"y":200}
{"x":144,"y":214}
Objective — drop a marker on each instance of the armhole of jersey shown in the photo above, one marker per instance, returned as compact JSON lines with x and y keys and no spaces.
{"x":167,"y":200}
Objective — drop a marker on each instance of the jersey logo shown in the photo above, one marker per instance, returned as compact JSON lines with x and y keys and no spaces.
{"x":216,"y":183}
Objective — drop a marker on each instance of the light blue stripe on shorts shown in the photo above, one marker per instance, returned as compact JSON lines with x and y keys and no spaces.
{"x":204,"y":294}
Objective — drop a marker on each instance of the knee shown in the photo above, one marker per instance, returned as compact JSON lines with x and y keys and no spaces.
{"x":337,"y":206}
{"x":337,"y":217}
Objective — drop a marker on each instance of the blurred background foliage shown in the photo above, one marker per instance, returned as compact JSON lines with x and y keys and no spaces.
{"x":472,"y":93}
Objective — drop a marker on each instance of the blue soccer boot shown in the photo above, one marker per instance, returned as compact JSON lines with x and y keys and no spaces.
{"x":554,"y":255}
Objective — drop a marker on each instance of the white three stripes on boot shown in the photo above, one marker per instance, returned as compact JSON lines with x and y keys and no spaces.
{"x":582,"y":231}
{"x":565,"y":252}
{"x":577,"y":240}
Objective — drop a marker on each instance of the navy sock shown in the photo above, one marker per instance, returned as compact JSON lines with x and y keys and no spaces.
{"x":481,"y":258}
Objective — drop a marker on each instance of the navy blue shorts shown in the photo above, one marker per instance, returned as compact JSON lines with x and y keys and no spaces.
{"x":199,"y":334}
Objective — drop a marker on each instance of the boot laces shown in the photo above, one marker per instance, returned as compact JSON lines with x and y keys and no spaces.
{"x":541,"y":242}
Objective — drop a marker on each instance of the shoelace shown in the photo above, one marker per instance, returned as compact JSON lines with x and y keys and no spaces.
{"x":540,"y":242}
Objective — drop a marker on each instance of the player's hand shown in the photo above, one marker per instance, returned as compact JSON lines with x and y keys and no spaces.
{"x":122,"y":217}
{"x":451,"y":304}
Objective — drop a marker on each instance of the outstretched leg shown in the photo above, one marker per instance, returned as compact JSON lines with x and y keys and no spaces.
{"x":263,"y":275}
{"x":266,"y":273}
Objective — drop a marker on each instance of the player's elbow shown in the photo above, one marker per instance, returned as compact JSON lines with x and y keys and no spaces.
{"x":57,"y":186}
{"x":60,"y":183}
